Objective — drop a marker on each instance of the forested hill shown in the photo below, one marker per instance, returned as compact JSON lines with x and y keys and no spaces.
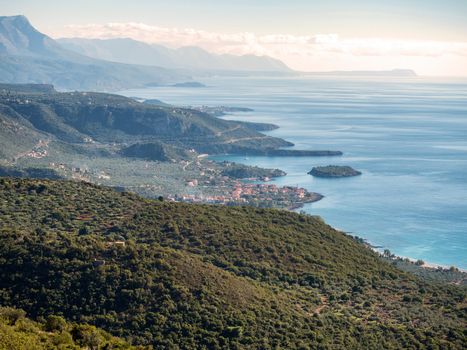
{"x":17,"y":332}
{"x":195,"y":276}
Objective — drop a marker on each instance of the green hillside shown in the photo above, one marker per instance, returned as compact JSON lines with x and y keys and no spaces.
{"x":182,"y":276}
{"x":17,"y":332}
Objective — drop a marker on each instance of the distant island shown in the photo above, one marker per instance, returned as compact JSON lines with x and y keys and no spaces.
{"x":333,"y":171}
{"x":369,"y":73}
{"x":189,"y":84}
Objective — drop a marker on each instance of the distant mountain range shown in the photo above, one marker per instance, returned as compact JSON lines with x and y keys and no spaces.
{"x":195,"y":60}
{"x":368,"y":73}
{"x":29,"y":56}
{"x":130,"y":51}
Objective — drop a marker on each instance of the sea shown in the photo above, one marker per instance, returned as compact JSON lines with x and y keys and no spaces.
{"x":408,"y":136}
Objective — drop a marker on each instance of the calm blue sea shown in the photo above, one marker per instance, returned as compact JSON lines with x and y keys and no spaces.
{"x":407,"y":136}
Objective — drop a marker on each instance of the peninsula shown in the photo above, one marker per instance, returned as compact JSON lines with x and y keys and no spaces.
{"x":159,"y":151}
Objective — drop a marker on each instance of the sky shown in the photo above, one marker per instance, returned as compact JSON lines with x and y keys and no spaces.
{"x":429,"y":36}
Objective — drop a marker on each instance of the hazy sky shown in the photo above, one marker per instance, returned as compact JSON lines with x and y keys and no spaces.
{"x":429,"y":36}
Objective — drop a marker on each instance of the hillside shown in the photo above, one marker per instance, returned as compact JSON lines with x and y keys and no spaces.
{"x":198,"y":276}
{"x":28,"y":56}
{"x":17,"y":332}
{"x":126,"y":50}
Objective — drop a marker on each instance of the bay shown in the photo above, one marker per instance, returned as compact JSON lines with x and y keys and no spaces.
{"x":408,"y":136}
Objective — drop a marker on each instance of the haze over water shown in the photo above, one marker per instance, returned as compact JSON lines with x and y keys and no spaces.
{"x":407,"y":136}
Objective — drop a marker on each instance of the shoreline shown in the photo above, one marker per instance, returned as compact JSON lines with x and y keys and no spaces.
{"x":426,"y":264}
{"x":295,"y":207}
{"x":316,"y":198}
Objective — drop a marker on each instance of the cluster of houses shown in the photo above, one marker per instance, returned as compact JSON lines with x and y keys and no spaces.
{"x":37,"y":153}
{"x":39,"y":150}
{"x":267,"y":191}
{"x":244,"y":193}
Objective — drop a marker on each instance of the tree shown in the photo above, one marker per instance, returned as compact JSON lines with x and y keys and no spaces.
{"x":55,"y":323}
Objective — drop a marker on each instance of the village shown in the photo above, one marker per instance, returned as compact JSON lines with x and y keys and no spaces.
{"x":199,"y":180}
{"x":236,"y":192}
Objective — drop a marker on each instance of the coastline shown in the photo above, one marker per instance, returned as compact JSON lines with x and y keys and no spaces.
{"x":315,"y":198}
{"x":319,"y":138}
{"x":295,"y":207}
{"x":425,"y":265}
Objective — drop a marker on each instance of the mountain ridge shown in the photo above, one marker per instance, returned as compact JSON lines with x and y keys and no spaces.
{"x":29,"y":56}
{"x":127,"y":50}
{"x":18,"y":36}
